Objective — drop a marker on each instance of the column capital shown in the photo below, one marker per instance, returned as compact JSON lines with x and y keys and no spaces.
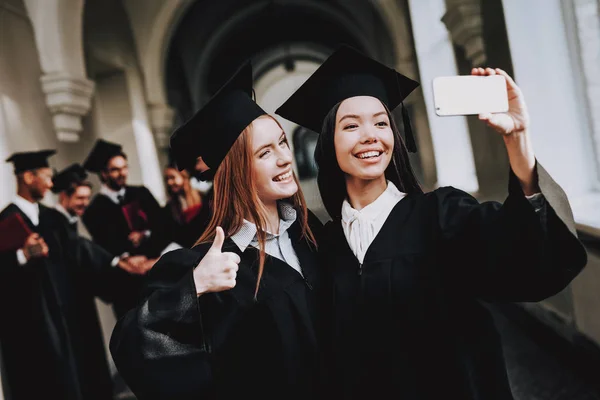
{"x":465,"y":24}
{"x":161,"y":120}
{"x":69,"y":99}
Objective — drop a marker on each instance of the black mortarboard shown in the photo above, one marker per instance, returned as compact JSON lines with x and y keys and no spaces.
{"x":74,"y":173}
{"x":211,"y":132}
{"x":348,"y":73}
{"x":102,"y":152}
{"x":29,"y":160}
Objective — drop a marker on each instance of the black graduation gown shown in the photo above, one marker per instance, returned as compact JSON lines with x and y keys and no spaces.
{"x":186,"y":234}
{"x":108,"y":227}
{"x":50,"y":335}
{"x":72,"y":226}
{"x":224,"y":345}
{"x":408,"y":321}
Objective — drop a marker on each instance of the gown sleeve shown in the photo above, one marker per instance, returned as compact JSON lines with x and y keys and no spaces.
{"x":510,"y":251}
{"x":159,"y":347}
{"x":99,"y":270}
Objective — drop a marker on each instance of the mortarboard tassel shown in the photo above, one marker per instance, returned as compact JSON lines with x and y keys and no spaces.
{"x":409,"y":138}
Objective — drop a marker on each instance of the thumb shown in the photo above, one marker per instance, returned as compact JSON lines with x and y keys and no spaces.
{"x":219,"y":239}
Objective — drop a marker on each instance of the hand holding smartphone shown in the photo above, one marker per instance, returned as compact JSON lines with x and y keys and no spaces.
{"x":470,"y":95}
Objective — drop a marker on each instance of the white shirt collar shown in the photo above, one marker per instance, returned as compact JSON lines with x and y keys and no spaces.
{"x":71,"y":218}
{"x":112,"y":194}
{"x":361,"y":227}
{"x":31,"y":210}
{"x":247,"y":233}
{"x":388,"y":199}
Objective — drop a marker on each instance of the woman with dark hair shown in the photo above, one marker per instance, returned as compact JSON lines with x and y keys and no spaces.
{"x":408,"y":268}
{"x":236,"y":315}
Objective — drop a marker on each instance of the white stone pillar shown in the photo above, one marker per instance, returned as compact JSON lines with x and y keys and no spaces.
{"x":57,"y":25}
{"x":161,"y":120}
{"x":450,"y":135}
{"x":144,"y":140}
{"x":6,"y":169}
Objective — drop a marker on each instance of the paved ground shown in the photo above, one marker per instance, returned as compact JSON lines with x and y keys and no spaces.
{"x":537,"y":372}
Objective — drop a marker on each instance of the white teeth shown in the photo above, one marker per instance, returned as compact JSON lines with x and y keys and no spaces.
{"x":283,"y":177}
{"x":369,"y":154}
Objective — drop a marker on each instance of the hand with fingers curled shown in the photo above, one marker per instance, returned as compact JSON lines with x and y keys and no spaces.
{"x":35,"y":247}
{"x":217,"y":271}
{"x":516,"y":119}
{"x":514,"y":126}
{"x":136,"y":238}
{"x":148,"y":264}
{"x":134,"y":264}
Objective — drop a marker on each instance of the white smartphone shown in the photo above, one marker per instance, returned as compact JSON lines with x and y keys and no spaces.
{"x":469,"y":95}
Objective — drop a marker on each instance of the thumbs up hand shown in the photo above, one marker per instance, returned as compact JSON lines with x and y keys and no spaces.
{"x":217,"y":271}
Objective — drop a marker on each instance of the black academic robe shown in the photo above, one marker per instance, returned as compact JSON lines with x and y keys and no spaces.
{"x":184,"y":233}
{"x":108,"y":227}
{"x":224,"y":345}
{"x":409,"y":323}
{"x":50,"y":335}
{"x":72,"y":226}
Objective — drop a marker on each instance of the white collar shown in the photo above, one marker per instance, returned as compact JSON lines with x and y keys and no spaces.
{"x":71,"y":218}
{"x":247,"y":233}
{"x":31,"y":210}
{"x":112,"y":194}
{"x":390,"y":196}
{"x":361,"y":227}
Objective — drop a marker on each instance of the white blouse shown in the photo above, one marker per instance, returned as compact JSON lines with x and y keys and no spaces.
{"x":361,"y":227}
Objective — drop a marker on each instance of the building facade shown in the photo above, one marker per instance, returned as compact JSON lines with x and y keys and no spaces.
{"x":129,"y":71}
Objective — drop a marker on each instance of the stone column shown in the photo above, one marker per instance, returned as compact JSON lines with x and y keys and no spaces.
{"x":57,"y":25}
{"x":450,"y":135}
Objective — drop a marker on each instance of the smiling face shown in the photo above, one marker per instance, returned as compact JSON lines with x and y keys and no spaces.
{"x":38,"y":182}
{"x":271,"y":161}
{"x":116,"y":173}
{"x":173,"y":181}
{"x":363,"y":138}
{"x":77,"y":202}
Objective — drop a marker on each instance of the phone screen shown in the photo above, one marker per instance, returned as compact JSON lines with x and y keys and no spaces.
{"x":469,"y":95}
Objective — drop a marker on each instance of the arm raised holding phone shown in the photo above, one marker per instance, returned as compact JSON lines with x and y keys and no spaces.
{"x":513,"y":125}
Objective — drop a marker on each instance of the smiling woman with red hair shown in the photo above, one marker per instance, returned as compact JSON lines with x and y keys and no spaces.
{"x":236,"y":315}
{"x":185,"y":211}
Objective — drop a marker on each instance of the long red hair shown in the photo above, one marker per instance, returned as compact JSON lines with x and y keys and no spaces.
{"x":236,"y":198}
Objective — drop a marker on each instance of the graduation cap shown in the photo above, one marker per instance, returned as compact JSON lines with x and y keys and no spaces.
{"x":211,"y":132}
{"x":348,"y":73}
{"x":29,"y":160}
{"x":102,"y":152}
{"x":74,"y":173}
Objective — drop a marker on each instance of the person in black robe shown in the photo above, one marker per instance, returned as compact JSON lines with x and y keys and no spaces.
{"x":51,"y":339}
{"x":125,"y":220}
{"x":236,"y":315}
{"x":185,"y":210}
{"x":409,"y":270}
{"x":74,"y":194}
